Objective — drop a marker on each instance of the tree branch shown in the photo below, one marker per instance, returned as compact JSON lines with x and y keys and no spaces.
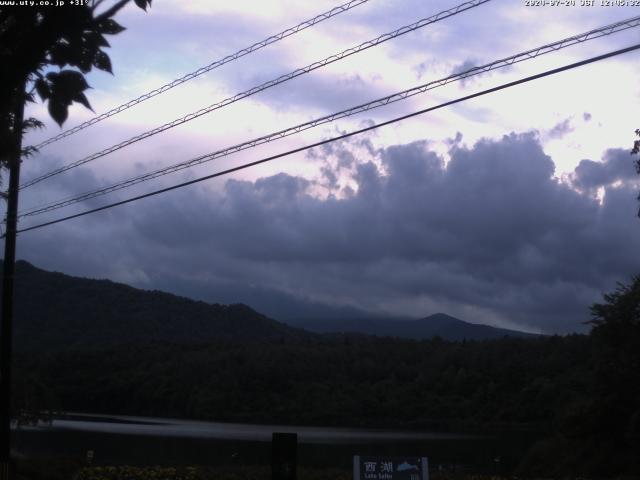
{"x":112,"y":11}
{"x":96,"y":4}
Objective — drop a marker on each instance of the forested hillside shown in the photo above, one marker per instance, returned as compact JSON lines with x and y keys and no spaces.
{"x":582,"y":392}
{"x":332,"y":380}
{"x":54,"y":311}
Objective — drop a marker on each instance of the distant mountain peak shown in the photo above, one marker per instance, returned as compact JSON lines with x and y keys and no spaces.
{"x":438,"y":324}
{"x":55,"y":310}
{"x":443,"y":318}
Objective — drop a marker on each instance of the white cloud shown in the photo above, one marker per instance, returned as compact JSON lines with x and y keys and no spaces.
{"x":178,"y":37}
{"x":492,"y":233}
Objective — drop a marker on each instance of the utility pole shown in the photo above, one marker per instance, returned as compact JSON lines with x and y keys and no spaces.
{"x":8,"y":272}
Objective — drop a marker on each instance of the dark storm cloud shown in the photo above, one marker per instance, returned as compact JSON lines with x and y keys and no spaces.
{"x":492,"y":236}
{"x":77,"y":180}
{"x":463,"y":67}
{"x":561,"y":129}
{"x":616,"y":165}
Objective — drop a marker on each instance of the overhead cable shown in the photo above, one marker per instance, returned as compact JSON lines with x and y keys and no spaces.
{"x":340,"y":137}
{"x":271,"y":83}
{"x":218,"y":63}
{"x":529,"y":54}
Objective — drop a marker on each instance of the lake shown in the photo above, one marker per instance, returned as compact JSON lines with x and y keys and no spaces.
{"x":161,"y":441}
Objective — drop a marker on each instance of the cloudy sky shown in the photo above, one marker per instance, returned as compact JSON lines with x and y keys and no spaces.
{"x":516,"y":209}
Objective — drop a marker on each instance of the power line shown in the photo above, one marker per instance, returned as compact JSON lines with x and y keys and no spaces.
{"x":218,"y":63}
{"x":271,"y":83}
{"x":340,"y":137}
{"x":529,"y":54}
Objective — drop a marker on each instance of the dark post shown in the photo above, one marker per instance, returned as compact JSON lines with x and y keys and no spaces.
{"x":283,"y":456}
{"x":6,"y":330}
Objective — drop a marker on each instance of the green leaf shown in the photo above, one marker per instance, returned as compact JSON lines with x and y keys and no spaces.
{"x":31,"y":123}
{"x":42,"y":87}
{"x":71,"y":81}
{"x":102,"y":62}
{"x":82,"y":98}
{"x":85,"y":62}
{"x":61,"y":54}
{"x":58,"y":111}
{"x":101,"y":41}
{"x":58,"y":54}
{"x":110,"y":27}
{"x":143,"y":4}
{"x":66,"y":87}
{"x":28,"y":151}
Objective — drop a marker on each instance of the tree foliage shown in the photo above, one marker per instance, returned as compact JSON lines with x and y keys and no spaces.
{"x":337,"y":380}
{"x":104,"y":347}
{"x":620,"y":310}
{"x":617,"y":392}
{"x":50,"y":49}
{"x":634,"y":151}
{"x":599,"y":434}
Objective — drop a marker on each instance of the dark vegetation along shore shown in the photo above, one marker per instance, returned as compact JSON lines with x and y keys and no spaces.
{"x":96,"y":346}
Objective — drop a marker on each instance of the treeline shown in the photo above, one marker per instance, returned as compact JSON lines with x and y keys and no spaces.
{"x":57,"y":312}
{"x":581,"y":391}
{"x":327,"y":380}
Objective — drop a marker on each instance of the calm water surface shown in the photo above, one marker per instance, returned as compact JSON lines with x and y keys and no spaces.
{"x":160,"y":441}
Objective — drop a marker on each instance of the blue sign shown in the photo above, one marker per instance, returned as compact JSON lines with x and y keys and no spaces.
{"x":390,"y":468}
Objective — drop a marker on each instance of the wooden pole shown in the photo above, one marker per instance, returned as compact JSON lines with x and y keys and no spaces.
{"x":8,"y":272}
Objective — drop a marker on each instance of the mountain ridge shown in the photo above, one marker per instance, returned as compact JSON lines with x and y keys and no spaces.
{"x":55,"y":311}
{"x":436,"y":325}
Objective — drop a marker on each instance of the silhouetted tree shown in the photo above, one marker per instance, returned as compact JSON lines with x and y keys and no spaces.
{"x":617,"y":334}
{"x":634,"y":151}
{"x":597,"y":431}
{"x":34,"y":41}
{"x":37,"y":44}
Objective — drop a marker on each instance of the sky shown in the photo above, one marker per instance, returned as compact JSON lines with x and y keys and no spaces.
{"x":516,"y":209}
